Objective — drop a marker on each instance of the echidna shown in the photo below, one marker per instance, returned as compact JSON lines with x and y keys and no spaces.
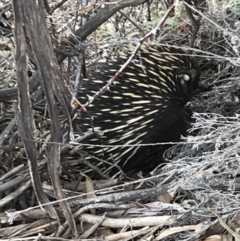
{"x":145,"y":105}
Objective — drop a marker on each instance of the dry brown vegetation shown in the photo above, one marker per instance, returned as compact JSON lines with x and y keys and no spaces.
{"x":193,"y":196}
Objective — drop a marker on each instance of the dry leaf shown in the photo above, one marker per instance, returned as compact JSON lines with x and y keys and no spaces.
{"x":227,"y":237}
{"x":165,"y":198}
{"x":236,"y":220}
{"x":90,"y":189}
{"x":223,"y":223}
{"x":174,"y":230}
{"x":103,"y":232}
{"x":213,"y":238}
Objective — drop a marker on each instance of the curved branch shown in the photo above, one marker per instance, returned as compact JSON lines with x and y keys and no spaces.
{"x":102,"y":16}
